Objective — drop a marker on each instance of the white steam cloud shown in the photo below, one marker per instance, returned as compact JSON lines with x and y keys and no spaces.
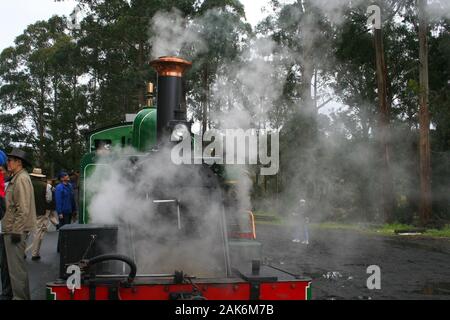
{"x":170,"y":33}
{"x":438,"y":9}
{"x":167,"y":215}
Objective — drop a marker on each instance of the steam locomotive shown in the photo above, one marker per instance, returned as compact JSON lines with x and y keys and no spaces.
{"x":181,"y":236}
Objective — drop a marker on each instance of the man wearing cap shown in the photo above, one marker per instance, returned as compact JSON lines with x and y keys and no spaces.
{"x":19,"y":221}
{"x":41,"y":198}
{"x":65,"y":199}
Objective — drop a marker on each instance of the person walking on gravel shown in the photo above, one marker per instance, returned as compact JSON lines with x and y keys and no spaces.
{"x":42,"y":197}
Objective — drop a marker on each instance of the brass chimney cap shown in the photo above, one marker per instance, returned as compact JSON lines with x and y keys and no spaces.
{"x":171,"y":66}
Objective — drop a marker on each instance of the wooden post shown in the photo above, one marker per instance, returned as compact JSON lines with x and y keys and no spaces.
{"x":425,"y":208}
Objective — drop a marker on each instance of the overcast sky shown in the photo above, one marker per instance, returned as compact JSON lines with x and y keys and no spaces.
{"x":16,"y":15}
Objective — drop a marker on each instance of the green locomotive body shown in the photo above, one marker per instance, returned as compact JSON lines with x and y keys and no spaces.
{"x":138,"y":136}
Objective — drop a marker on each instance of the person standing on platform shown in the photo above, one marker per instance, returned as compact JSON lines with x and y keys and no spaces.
{"x":41,"y":197}
{"x":18,"y":222}
{"x":65,"y":200}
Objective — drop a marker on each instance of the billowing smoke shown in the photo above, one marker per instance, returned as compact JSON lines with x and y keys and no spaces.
{"x":168,"y":216}
{"x":171,"y":33}
{"x":334,"y":10}
{"x":439,"y":9}
{"x":245,"y":92}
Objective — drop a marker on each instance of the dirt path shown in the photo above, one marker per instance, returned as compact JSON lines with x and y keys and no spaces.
{"x":411,"y":268}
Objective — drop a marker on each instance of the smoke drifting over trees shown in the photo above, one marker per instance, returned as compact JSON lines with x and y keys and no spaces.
{"x":57,"y":82}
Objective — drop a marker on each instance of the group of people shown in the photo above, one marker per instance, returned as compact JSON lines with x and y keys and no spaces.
{"x":28,"y":204}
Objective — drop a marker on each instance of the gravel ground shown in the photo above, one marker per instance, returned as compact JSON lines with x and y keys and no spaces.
{"x":411,"y":267}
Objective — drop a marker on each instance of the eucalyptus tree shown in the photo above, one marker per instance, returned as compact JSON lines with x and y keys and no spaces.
{"x":26,"y":78}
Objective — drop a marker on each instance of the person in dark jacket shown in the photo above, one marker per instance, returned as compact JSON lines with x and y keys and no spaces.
{"x":41,"y":199}
{"x":74,"y":181}
{"x":65,"y":199}
{"x":51,"y":202}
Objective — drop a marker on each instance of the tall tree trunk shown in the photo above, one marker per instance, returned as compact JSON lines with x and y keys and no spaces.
{"x":205,"y":98}
{"x":387,"y":184}
{"x":424,"y":120}
{"x":73,"y":134}
{"x":55,"y":113}
{"x":41,"y":124}
{"x":141,"y":89}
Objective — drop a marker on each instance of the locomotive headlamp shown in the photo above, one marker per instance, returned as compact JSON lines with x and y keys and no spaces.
{"x":179,"y":133}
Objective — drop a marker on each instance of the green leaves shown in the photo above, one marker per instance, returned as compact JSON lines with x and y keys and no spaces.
{"x":56,"y":82}
{"x":42,"y":64}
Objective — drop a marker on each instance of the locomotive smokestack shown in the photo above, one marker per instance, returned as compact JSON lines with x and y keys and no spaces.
{"x":170,"y":93}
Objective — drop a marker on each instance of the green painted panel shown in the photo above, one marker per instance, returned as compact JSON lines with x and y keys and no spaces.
{"x":141,"y":135}
{"x":87,"y":159}
{"x":51,"y":296}
{"x":309,"y":292}
{"x":102,"y":170}
{"x":144,"y":130}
